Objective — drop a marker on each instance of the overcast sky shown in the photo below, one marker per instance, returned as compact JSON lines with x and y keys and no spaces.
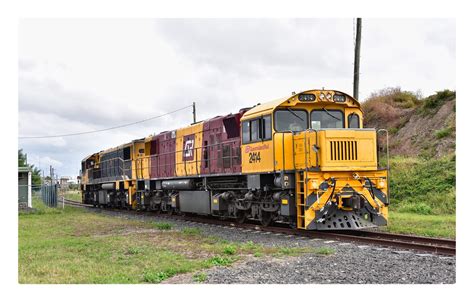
{"x":81,"y":75}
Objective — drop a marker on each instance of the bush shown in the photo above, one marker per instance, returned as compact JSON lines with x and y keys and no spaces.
{"x":437,"y":100}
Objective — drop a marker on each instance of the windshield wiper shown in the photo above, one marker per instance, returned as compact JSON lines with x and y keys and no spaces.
{"x":331,"y":114}
{"x":292,"y":112}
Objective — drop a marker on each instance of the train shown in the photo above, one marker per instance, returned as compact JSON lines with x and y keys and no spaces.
{"x":304,"y":160}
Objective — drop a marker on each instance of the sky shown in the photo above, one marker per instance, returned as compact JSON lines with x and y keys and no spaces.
{"x":79,"y":75}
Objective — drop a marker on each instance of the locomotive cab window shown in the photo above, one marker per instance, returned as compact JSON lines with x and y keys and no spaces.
{"x":256,"y":130}
{"x":245,"y":132}
{"x":267,"y":127}
{"x":353,"y":120}
{"x":323,"y":119}
{"x":291,"y":120}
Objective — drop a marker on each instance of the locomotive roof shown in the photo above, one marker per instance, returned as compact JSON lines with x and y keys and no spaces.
{"x":293,"y":99}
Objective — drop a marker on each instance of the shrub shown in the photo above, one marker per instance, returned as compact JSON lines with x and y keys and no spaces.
{"x":436,"y":100}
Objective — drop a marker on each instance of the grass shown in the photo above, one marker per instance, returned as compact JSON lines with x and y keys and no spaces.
{"x":230,"y":250}
{"x":162,"y":225}
{"x":192,"y":231}
{"x":423,"y":196}
{"x":200,"y":277}
{"x":444,"y":132}
{"x":75,"y":245}
{"x":73,"y":195}
{"x":423,"y":186}
{"x":422,"y":224}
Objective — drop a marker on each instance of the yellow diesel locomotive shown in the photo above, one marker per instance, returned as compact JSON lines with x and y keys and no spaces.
{"x":304,"y":160}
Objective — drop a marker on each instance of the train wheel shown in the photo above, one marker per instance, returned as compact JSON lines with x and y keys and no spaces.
{"x":241,"y":216}
{"x":266,"y":218}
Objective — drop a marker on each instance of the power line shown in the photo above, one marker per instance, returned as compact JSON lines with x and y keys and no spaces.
{"x":106,"y":129}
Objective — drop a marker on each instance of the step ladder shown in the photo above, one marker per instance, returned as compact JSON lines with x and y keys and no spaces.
{"x":300,"y":198}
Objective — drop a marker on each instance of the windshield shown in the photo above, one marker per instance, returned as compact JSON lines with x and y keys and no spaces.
{"x":321,"y":119}
{"x":291,"y":120}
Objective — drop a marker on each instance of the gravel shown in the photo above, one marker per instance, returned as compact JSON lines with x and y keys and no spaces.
{"x":351,"y":262}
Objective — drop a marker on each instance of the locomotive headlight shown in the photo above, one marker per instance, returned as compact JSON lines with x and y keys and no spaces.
{"x":322,"y":96}
{"x":381,"y":184}
{"x":328,"y":96}
{"x":314,"y":184}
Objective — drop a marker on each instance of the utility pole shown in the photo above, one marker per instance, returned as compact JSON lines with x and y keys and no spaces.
{"x":194,"y":112}
{"x":357,"y":58}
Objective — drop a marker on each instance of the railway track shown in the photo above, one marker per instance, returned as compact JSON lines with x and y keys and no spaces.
{"x":407,"y":242}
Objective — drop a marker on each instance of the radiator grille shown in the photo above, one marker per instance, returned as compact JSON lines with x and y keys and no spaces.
{"x":344,"y":150}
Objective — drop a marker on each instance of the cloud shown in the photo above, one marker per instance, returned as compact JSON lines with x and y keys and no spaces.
{"x":256,"y":47}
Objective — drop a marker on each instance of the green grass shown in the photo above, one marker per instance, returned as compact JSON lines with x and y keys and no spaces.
{"x":325,"y":250}
{"x":422,"y":224}
{"x":221,"y":261}
{"x":423,"y":186}
{"x":444,"y":132}
{"x":200,"y":277}
{"x":75,"y":245}
{"x":73,"y":195}
{"x":192,"y":231}
{"x":230,"y":250}
{"x":162,"y":225}
{"x":423,"y":196}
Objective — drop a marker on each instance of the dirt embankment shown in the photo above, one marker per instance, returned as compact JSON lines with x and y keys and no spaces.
{"x":417,"y":126}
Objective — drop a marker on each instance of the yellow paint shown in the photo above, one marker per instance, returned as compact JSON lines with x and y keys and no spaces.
{"x":284,"y":201}
{"x":146,"y":159}
{"x":138,"y":159}
{"x":192,"y":165}
{"x":257,"y":157}
{"x":290,"y":151}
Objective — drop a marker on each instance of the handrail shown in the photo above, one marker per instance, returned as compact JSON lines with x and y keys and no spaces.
{"x":388,"y":163}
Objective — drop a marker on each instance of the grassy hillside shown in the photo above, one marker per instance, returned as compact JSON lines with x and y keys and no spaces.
{"x":418,"y":126}
{"x":423,"y":163}
{"x":423,"y":186}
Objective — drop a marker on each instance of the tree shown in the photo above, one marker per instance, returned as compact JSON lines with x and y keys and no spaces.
{"x":35,"y":172}
{"x":21,"y":158}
